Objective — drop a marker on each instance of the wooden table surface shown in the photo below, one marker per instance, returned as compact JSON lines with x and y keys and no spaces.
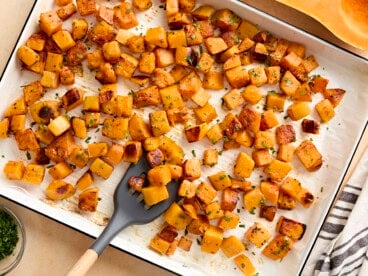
{"x":51,"y":247}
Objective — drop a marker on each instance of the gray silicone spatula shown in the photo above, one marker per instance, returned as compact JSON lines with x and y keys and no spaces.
{"x":127,"y":211}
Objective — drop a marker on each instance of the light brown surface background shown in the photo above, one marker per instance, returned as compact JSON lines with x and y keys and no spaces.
{"x":51,"y":247}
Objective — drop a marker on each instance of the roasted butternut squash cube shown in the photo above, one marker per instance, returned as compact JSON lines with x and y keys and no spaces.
{"x":171,"y":97}
{"x":95,"y":59}
{"x":229,"y":197}
{"x":210,"y":157}
{"x":233,"y":99}
{"x":198,"y":226}
{"x":237,"y":77}
{"x":159,"y":175}
{"x":178,"y":72}
{"x":72,"y":98}
{"x":192,"y":169}
{"x":193,"y":34}
{"x":173,"y":153}
{"x":258,"y":235}
{"x":101,"y":168}
{"x":162,"y":78}
{"x":26,"y":140}
{"x":213,"y":210}
{"x":245,"y":265}
{"x":106,"y":73}
{"x":36,"y":42}
{"x":253,"y":199}
{"x":309,"y":155}
{"x":225,"y":19}
{"x":79,"y":28}
{"x":157,"y":36}
{"x":136,"y":44}
{"x":298,"y":110}
{"x":154,"y":194}
{"x":277,"y":169}
{"x":33,"y":92}
{"x":79,"y":157}
{"x":176,"y":171}
{"x":4,"y":128}
{"x":270,"y":191}
{"x":115,"y":153}
{"x":289,"y":83}
{"x":206,"y":193}
{"x":201,"y":97}
{"x":213,"y":80}
{"x":231,"y":62}
{"x":132,"y":151}
{"x":14,"y":170}
{"x":244,"y":165}
{"x":285,"y":134}
{"x":269,"y":120}
{"x":204,"y":63}
{"x":60,"y":170}
{"x":88,"y":200}
{"x":257,"y":76}
{"x":178,"y":20}
{"x":252,"y":94}
{"x":61,"y":147}
{"x":246,"y":29}
{"x":164,"y":57}
{"x":147,"y":96}
{"x":273,"y":74}
{"x":220,"y":180}
{"x":278,"y":248}
{"x":63,"y":40}
{"x":147,"y":62}
{"x":50,"y":79}
{"x":293,"y":188}
{"x":176,"y":39}
{"x":268,"y":212}
{"x":291,"y":228}
{"x":285,"y":201}
{"x":303,"y":93}
{"x":285,"y":153}
{"x":264,"y":140}
{"x":86,"y":7}
{"x":159,"y":123}
{"x":138,"y":129}
{"x":92,"y":119}
{"x":126,"y":65}
{"x":325,"y":110}
{"x":228,"y":221}
{"x":318,"y":84}
{"x":50,"y":22}
{"x":275,"y":101}
{"x":97,"y":149}
{"x":215,"y":45}
{"x":195,"y":133}
{"x":334,"y":95}
{"x":59,"y":189}
{"x":214,"y":134}
{"x":206,"y":113}
{"x":66,"y":11}
{"x":187,"y":189}
{"x":176,"y":216}
{"x":232,"y":246}
{"x":230,"y":52}
{"x":85,"y":181}
{"x":66,"y":75}
{"x":54,"y":62}
{"x":91,"y":103}
{"x":184,"y":243}
{"x":203,"y":12}
{"x":261,"y":157}
{"x":111,"y":51}
{"x":115,"y":128}
{"x":59,"y":125}
{"x":212,"y":239}
{"x":124,"y":16}
{"x":159,"y":245}
{"x":189,"y":85}
{"x":17,"y":122}
{"x":184,"y":56}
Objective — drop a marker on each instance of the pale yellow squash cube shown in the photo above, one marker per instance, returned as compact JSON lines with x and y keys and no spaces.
{"x":59,"y":125}
{"x":154,"y":194}
{"x":245,"y":265}
{"x":50,"y":79}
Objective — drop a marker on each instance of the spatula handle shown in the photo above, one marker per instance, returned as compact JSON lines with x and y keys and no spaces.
{"x":84,"y":263}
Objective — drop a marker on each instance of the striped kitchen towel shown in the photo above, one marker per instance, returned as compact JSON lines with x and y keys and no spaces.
{"x":342,"y":245}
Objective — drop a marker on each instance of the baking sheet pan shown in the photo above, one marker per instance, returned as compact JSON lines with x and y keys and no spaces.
{"x":337,"y":142}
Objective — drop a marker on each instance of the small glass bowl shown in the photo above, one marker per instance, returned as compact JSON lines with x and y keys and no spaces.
{"x":10,"y":262}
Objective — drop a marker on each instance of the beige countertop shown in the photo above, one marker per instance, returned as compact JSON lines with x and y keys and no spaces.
{"x":52,"y":247}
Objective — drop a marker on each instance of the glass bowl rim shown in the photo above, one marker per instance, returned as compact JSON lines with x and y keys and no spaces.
{"x":22,"y":239}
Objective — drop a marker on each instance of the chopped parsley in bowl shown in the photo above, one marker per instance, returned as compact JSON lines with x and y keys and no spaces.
{"x":12,"y":240}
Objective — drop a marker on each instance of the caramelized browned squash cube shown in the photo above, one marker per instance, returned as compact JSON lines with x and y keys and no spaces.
{"x":132,"y":152}
{"x":59,"y":189}
{"x":291,"y":228}
{"x":278,"y":248}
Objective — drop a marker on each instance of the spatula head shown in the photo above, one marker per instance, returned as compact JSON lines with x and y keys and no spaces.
{"x":127,"y":205}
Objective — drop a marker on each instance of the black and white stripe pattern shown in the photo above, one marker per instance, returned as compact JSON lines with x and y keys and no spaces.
{"x":342,"y":244}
